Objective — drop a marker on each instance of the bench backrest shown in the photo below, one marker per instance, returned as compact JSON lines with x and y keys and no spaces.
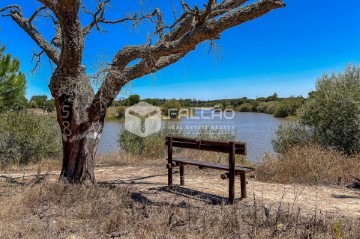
{"x":206,"y":145}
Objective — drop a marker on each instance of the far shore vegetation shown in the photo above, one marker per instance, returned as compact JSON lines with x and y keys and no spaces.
{"x":280,"y":107}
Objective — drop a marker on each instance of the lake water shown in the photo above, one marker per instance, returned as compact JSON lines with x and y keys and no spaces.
{"x":255,"y":129}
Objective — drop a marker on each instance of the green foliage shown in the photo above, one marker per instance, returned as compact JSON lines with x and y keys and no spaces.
{"x":42,"y":102}
{"x":38,"y":101}
{"x":293,"y":104}
{"x":273,"y":97}
{"x":289,"y":135}
{"x":49,"y":105}
{"x":247,"y":107}
{"x":282,"y":111}
{"x":267,"y":107}
{"x":153,"y":146}
{"x":120,"y":114}
{"x":26,"y":137}
{"x":12,"y":82}
{"x":133,"y":99}
{"x":170,"y":105}
{"x":333,"y":110}
{"x":214,"y":134}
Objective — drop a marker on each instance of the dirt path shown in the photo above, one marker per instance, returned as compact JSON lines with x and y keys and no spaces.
{"x":339,"y":200}
{"x":208,"y":186}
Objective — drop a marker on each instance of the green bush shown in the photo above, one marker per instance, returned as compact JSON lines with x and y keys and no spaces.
{"x":268,"y":107}
{"x":247,"y":107}
{"x":282,"y":111}
{"x":214,"y":134}
{"x":289,"y":135}
{"x":153,"y":146}
{"x":120,"y":114}
{"x":293,"y":104}
{"x":131,"y":143}
{"x":170,"y":105}
{"x":333,"y":110}
{"x":26,"y":137}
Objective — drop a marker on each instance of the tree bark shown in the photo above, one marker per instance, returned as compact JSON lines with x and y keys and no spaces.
{"x":79,"y":154}
{"x":80,"y":133}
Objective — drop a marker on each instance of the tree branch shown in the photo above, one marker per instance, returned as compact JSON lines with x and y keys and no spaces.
{"x":194,"y":27}
{"x":36,"y":56}
{"x":36,"y":13}
{"x":16,"y":14}
{"x":98,"y":17}
{"x":51,"y":4}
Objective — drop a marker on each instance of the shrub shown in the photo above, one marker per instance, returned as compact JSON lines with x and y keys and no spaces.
{"x":282,"y":111}
{"x":289,"y":135}
{"x":267,"y":107}
{"x":170,"y":105}
{"x":153,"y":146}
{"x":26,"y":137}
{"x":293,"y":104}
{"x":120,"y":114}
{"x":333,"y":110}
{"x":309,"y":164}
{"x":131,"y":143}
{"x":247,"y":107}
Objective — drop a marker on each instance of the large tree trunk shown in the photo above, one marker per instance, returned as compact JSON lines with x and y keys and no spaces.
{"x":80,"y":128}
{"x":79,"y":154}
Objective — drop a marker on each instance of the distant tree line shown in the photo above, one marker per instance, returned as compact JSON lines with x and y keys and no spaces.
{"x":279,"y":107}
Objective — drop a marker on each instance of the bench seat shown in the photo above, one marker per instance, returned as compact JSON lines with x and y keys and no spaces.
{"x":230,"y":170}
{"x":202,"y":164}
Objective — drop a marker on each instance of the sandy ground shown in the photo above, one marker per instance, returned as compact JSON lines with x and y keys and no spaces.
{"x":206,"y":186}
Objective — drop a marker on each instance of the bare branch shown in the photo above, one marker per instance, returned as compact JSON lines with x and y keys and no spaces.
{"x":36,"y":56}
{"x":194,"y":27}
{"x":16,"y":14}
{"x":36,"y":13}
{"x":51,"y":4}
{"x":98,"y":17}
{"x":17,"y":7}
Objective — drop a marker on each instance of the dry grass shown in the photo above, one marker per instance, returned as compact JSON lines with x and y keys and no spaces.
{"x":124,"y":159}
{"x":57,"y":210}
{"x":42,"y":166}
{"x":309,"y":165}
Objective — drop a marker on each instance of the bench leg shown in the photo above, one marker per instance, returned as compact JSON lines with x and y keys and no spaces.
{"x":182,"y":177}
{"x":243,"y":185}
{"x":170,"y":170}
{"x":170,"y":173}
{"x":231,"y":172}
{"x":231,"y":189}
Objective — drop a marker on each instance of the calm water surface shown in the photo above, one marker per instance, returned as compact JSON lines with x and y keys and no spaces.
{"x":255,"y":129}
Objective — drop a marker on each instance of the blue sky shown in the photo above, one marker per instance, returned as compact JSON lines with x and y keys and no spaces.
{"x":284,"y":51}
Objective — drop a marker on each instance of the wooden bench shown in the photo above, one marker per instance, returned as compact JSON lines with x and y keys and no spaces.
{"x":232,"y":148}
